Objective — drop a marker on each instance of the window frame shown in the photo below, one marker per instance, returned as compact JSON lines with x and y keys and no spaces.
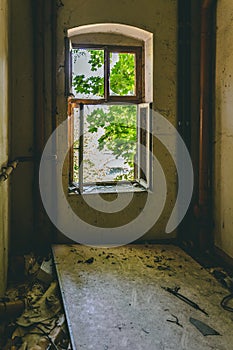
{"x":144,"y":131}
{"x":108,"y":99}
{"x":137,"y":50}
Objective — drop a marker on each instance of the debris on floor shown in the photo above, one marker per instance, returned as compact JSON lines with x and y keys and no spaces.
{"x":227,"y":281}
{"x":203,"y":327}
{"x":175,"y":291}
{"x":31,"y":313}
{"x":226,"y":301}
{"x":223,"y":277}
{"x":45,"y":272}
{"x":175,"y":320}
{"x":32,"y":316}
{"x":11,"y":308}
{"x":119,"y":302}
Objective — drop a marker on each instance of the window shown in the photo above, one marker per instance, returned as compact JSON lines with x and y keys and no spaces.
{"x":108,"y":73}
{"x":110,"y":122}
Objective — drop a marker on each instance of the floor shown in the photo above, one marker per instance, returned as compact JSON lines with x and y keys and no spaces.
{"x":115,"y":299}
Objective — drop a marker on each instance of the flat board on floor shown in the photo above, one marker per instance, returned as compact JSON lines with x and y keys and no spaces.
{"x":114,"y":299}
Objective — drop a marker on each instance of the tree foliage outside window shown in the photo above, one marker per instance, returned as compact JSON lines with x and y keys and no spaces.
{"x":122,"y":75}
{"x":118,"y":121}
{"x":119,"y":130}
{"x":89,"y":85}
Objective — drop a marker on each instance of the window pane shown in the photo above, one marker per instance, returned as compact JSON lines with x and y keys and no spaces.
{"x":122,"y":74}
{"x":109,"y":145}
{"x":88,"y":73}
{"x":144,"y":142}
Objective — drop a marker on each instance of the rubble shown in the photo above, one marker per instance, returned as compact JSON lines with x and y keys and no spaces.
{"x":203,"y":327}
{"x":175,"y":320}
{"x":45,"y":272}
{"x":223,"y":277}
{"x":175,"y":292}
{"x":31,"y":314}
{"x":10,"y":309}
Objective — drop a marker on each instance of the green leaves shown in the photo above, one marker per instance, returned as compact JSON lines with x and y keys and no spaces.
{"x":88,"y":61}
{"x":122,"y":73}
{"x":122,"y":76}
{"x":91,"y":85}
{"x":97,"y":59}
{"x":119,"y":124}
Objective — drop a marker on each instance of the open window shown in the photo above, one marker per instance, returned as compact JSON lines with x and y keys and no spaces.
{"x":110,"y":123}
{"x":105,"y":73}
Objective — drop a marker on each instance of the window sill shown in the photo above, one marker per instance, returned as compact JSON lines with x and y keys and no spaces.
{"x":108,"y":188}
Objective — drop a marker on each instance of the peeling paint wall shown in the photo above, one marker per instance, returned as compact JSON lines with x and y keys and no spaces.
{"x":160,"y":18}
{"x":4,"y":134}
{"x":223,"y":142}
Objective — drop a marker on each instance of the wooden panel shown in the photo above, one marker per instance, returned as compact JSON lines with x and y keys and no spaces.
{"x":113,"y":299}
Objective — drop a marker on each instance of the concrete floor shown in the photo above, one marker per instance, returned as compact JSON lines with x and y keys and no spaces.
{"x":114,"y":299}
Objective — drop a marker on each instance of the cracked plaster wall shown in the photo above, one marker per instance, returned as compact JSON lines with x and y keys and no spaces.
{"x":223,"y":138}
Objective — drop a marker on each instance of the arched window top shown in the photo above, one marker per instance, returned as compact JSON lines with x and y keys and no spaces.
{"x":91,"y":34}
{"x":114,"y":28}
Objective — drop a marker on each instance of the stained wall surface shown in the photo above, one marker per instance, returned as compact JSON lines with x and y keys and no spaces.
{"x":223,"y":141}
{"x":22,"y":123}
{"x":160,"y":18}
{"x":4,"y":115}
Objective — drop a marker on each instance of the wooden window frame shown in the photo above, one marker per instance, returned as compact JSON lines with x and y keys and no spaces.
{"x":74,"y":102}
{"x":137,"y":50}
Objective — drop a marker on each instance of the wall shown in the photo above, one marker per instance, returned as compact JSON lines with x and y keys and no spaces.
{"x":160,"y":18}
{"x":4,"y":115}
{"x":22,"y":125}
{"x":223,"y":142}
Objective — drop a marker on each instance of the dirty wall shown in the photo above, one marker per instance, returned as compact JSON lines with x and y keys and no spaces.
{"x":22,"y":123}
{"x":160,"y":18}
{"x":223,"y":137}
